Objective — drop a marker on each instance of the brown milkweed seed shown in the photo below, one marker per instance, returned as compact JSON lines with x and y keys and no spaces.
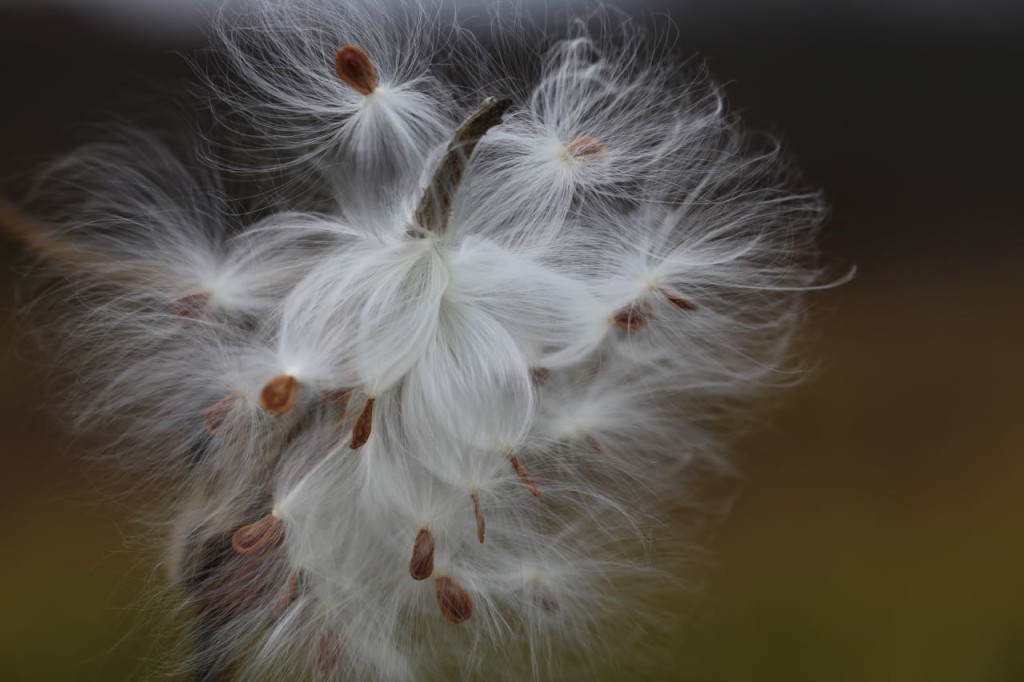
{"x":586,"y":148}
{"x":632,"y":317}
{"x":679,"y":300}
{"x":287,"y":596}
{"x":279,"y":394}
{"x":217,"y":414}
{"x":363,"y":426}
{"x":479,"y":512}
{"x":190,"y":307}
{"x":328,"y":655}
{"x":355,"y":69}
{"x":540,"y":375}
{"x":338,"y":397}
{"x":455,"y":602}
{"x":265,"y":534}
{"x":544,"y":597}
{"x":523,"y":475}
{"x":421,"y":565}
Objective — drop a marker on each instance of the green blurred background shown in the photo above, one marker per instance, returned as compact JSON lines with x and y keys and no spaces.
{"x":878,"y":533}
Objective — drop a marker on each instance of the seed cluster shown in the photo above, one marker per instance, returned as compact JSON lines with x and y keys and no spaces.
{"x":424,"y":404}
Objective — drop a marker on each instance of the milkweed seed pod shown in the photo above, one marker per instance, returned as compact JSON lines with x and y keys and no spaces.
{"x":423,"y":407}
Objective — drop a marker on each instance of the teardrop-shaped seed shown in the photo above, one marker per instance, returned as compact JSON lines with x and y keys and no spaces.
{"x":279,"y":395}
{"x":455,"y":602}
{"x":363,"y":426}
{"x":544,"y":597}
{"x":478,"y":511}
{"x":216,"y":415}
{"x":286,"y":596}
{"x":679,"y":301}
{"x":338,"y":397}
{"x":523,"y":475}
{"x":355,"y":69}
{"x":328,"y":655}
{"x":191,"y":306}
{"x":265,"y":534}
{"x":421,"y":565}
{"x":586,"y":148}
{"x":632,"y":317}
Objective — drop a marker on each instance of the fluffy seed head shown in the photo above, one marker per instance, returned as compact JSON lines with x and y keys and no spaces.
{"x":508,"y":298}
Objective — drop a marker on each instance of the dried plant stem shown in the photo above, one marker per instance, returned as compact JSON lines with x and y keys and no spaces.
{"x":435,"y":207}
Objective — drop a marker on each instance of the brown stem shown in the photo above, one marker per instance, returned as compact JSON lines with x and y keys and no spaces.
{"x":435,"y":206}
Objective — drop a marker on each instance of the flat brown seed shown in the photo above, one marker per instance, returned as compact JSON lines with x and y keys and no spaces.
{"x":287,"y":596}
{"x":216,"y":415}
{"x":632,"y":317}
{"x":599,"y":449}
{"x":523,"y":475}
{"x":363,"y":426}
{"x":328,"y":655}
{"x":265,"y":534}
{"x":190,"y":307}
{"x":455,"y":602}
{"x":338,"y":397}
{"x":355,"y":69}
{"x":586,"y":148}
{"x":540,"y":375}
{"x":679,"y":300}
{"x":279,"y":395}
{"x":421,"y":566}
{"x":544,"y":597}
{"x":479,"y":512}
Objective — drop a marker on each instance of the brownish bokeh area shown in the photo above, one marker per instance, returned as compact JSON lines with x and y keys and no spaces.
{"x":878,"y":535}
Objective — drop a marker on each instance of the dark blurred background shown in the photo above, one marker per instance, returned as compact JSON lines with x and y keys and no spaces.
{"x":879,"y":535}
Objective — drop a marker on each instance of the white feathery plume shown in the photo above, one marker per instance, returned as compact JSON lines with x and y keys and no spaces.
{"x":423,"y":360}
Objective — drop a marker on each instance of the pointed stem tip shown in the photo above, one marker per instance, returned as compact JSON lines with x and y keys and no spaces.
{"x":435,"y":206}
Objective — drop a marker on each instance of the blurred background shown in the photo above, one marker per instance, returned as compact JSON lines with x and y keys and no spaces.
{"x":879,"y":533}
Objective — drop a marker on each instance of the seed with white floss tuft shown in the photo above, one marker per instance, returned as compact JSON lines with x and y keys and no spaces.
{"x":421,"y":565}
{"x":679,"y":301}
{"x":264,"y":535}
{"x":633,"y":317}
{"x":453,"y":599}
{"x":279,"y":394}
{"x":191,"y":306}
{"x":354,"y":67}
{"x":218,"y":414}
{"x":586,"y":149}
{"x":364,"y":425}
{"x":286,"y":597}
{"x":478,"y":512}
{"x":523,"y":475}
